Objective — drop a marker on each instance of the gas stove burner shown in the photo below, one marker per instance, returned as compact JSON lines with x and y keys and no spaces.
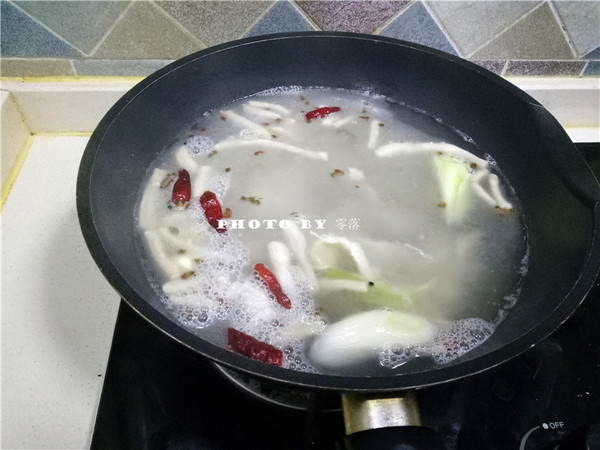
{"x":277,"y":394}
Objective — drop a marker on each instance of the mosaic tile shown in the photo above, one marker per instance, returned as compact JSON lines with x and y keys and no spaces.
{"x":537,"y":36}
{"x":82,"y":24}
{"x":470,"y":24}
{"x":215,"y":22}
{"x":594,"y":54}
{"x":545,"y":68}
{"x":146,"y":32}
{"x":582,"y":23}
{"x":355,"y":16}
{"x":33,"y":67}
{"x":20,"y":35}
{"x":118,"y":68}
{"x":592,"y":69}
{"x":282,"y":17}
{"x":493,"y":65}
{"x":416,"y":25}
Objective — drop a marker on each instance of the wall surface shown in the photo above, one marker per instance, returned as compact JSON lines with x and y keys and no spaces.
{"x":135,"y":38}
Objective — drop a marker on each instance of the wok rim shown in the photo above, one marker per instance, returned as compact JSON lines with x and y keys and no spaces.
{"x":439,"y":375}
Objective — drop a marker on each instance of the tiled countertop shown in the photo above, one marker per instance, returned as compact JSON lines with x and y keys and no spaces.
{"x":58,"y":312}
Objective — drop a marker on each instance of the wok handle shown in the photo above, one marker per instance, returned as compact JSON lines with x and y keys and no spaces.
{"x":385,"y":422}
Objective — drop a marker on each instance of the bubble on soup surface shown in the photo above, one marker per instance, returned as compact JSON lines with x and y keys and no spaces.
{"x":199,"y":145}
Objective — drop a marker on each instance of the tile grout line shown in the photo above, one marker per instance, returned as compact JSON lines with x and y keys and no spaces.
{"x":506,"y":28}
{"x":443,"y":29}
{"x":47,"y":28}
{"x":587,"y":63}
{"x":385,"y":23}
{"x":260,"y":17}
{"x":72,"y":64}
{"x":110,"y":29}
{"x":181,"y":28}
{"x":563,"y":29}
{"x":304,"y":14}
{"x":14,"y":171}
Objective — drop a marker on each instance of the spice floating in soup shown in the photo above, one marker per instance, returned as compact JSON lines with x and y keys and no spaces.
{"x":331,"y":231}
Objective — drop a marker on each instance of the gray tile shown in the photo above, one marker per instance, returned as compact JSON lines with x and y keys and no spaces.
{"x":493,"y":65}
{"x":356,"y":16}
{"x":545,"y":68}
{"x":594,"y":54}
{"x":35,"y":67}
{"x":146,"y":32}
{"x":282,"y":17}
{"x":416,"y":25}
{"x":536,"y":36}
{"x":215,"y":22}
{"x":581,"y":20}
{"x":121,"y":68}
{"x":592,"y":69}
{"x":470,"y":24}
{"x":20,"y":35}
{"x":81,"y":23}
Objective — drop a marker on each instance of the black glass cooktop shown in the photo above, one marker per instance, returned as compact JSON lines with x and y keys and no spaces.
{"x":158,"y":394}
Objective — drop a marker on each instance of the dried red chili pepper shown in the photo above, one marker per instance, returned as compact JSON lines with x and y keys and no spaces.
{"x":253,"y":348}
{"x":321,"y":112}
{"x":182,"y":189}
{"x":267,"y":276}
{"x":212,"y":210}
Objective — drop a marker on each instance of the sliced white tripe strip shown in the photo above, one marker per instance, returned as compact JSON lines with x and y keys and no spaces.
{"x":154,"y":198}
{"x":185,"y":160}
{"x":263,"y":115}
{"x":297,"y":243}
{"x":299,"y":330}
{"x":265,"y":144}
{"x":362,"y":335}
{"x":200,"y":180}
{"x":335,"y":252}
{"x":246,"y":123}
{"x":343,"y":285}
{"x":157,"y":248}
{"x":269,"y":106}
{"x":178,"y":243}
{"x":495,"y":190}
{"x":480,"y":191}
{"x":355,"y":174}
{"x":373,"y":134}
{"x":398,"y":148}
{"x":179,"y":287}
{"x":186,"y":263}
{"x":283,"y":129}
{"x":281,"y":261}
{"x":339,"y":123}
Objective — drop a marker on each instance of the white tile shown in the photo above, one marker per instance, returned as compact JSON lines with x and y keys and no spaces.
{"x":67,"y":106}
{"x":58,"y":312}
{"x":574,"y":102}
{"x":14,"y":133}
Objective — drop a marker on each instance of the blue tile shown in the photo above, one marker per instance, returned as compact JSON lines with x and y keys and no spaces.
{"x":282,"y":17}
{"x":80,"y":23}
{"x":592,"y":69}
{"x":23,"y":36}
{"x":416,"y":25}
{"x":594,"y":54}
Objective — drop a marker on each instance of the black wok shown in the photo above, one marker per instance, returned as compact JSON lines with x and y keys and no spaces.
{"x":557,"y":190}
